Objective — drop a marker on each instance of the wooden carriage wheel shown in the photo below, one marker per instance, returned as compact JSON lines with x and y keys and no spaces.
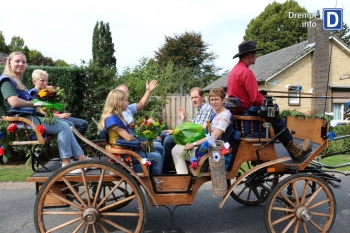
{"x":255,"y":188}
{"x":103,"y":199}
{"x":300,"y":203}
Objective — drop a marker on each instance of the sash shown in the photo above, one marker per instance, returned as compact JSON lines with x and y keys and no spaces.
{"x":21,"y":94}
{"x":115,"y":120}
{"x":33,"y":93}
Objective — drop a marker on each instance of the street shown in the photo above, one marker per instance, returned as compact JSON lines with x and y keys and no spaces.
{"x":202,"y":216}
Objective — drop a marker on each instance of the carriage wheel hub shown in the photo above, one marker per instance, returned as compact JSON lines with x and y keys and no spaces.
{"x":303,"y":213}
{"x":91,"y":215}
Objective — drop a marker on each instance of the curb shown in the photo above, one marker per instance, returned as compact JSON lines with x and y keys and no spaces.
{"x":17,"y":185}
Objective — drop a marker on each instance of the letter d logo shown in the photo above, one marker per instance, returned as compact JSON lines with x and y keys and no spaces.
{"x":332,"y":19}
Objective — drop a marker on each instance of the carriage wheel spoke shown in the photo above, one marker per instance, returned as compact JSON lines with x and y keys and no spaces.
{"x":109,"y":193}
{"x":64,"y":200}
{"x":315,"y":225}
{"x":313,"y":196}
{"x":102,"y":227}
{"x":79,"y":227}
{"x":287,"y":199}
{"x":283,"y":219}
{"x":295,"y":194}
{"x":64,"y":224}
{"x":117,"y":203}
{"x":319,"y":203}
{"x":283,"y":209}
{"x":320,"y":214}
{"x":289,"y":225}
{"x":296,"y":228}
{"x":305,"y":227}
{"x":99,"y":187}
{"x":115,"y":225}
{"x":303,"y":196}
{"x":76,"y":195}
{"x":86,"y":187}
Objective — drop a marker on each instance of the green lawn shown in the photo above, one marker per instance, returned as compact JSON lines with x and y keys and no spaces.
{"x":15,"y":173}
{"x":337,"y":159}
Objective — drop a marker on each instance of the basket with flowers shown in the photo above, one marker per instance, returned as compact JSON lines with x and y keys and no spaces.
{"x":149,"y":128}
{"x":50,"y":99}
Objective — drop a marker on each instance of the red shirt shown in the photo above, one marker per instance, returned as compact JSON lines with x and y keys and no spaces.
{"x":242,"y":84}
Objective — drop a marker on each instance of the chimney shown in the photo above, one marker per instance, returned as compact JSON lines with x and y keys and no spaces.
{"x":320,"y":63}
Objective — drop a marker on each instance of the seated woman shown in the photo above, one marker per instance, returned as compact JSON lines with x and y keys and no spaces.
{"x":14,"y":94}
{"x":116,"y":103}
{"x":40,"y":80}
{"x":221,"y":129}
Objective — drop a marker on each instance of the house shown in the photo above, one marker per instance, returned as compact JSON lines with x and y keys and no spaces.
{"x":3,"y":58}
{"x":305,"y":74}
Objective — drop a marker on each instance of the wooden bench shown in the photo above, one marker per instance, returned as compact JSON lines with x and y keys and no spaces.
{"x":31,"y":138}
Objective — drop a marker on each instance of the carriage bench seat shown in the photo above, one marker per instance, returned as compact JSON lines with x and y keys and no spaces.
{"x":27,"y":134}
{"x":251,"y":129}
{"x":127,"y":155}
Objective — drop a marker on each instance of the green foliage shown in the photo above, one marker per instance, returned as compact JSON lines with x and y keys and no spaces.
{"x":341,"y":144}
{"x":3,"y":46}
{"x":274,"y":30}
{"x":103,"y":47}
{"x":34,"y":57}
{"x":189,"y":51}
{"x":16,"y":44}
{"x":344,"y":34}
{"x":94,"y":85}
{"x":136,"y":79}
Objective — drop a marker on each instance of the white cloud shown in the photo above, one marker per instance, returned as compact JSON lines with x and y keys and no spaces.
{"x":63,"y":29}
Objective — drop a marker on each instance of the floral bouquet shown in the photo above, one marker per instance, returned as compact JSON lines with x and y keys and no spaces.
{"x":50,"y":99}
{"x":149,"y":129}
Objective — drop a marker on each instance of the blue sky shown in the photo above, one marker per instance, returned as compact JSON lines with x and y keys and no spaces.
{"x":63,"y":29}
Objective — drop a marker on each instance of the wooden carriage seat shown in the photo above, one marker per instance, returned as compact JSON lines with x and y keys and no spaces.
{"x":31,"y":137}
{"x":248,"y":127}
{"x":251,"y":129}
{"x":127,"y":155}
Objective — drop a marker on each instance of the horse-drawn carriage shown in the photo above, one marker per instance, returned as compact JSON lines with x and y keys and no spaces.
{"x":108,"y":195}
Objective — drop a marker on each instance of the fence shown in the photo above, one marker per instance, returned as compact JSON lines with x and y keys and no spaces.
{"x":170,"y":112}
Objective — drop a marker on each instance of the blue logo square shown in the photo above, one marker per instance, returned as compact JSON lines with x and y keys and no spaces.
{"x":332,"y":19}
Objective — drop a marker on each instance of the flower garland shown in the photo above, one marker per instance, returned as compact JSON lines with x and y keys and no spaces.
{"x":8,"y":133}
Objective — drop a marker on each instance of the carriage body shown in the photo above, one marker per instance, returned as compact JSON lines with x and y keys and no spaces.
{"x":110,"y":194}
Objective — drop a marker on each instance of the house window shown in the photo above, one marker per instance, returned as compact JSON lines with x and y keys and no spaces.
{"x":294,"y":95}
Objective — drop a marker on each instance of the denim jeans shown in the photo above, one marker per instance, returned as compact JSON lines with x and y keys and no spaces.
{"x":168,"y":144}
{"x":80,"y":124}
{"x":156,"y":160}
{"x":68,"y":146}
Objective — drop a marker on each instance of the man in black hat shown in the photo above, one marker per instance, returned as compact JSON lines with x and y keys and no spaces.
{"x":242,"y":84}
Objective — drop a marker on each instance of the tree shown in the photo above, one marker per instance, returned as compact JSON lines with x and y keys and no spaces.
{"x":344,"y":34}
{"x":103,"y":47}
{"x":274,"y":30}
{"x":3,"y":46}
{"x":61,"y":63}
{"x":16,"y":44}
{"x":188,"y":50}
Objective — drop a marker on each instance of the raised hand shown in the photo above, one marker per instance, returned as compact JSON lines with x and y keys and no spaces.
{"x":152,"y":85}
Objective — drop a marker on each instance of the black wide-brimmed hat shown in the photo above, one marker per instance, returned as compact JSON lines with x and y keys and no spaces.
{"x":246,"y":47}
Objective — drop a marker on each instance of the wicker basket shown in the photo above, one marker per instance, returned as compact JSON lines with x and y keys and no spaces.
{"x":217,"y":171}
